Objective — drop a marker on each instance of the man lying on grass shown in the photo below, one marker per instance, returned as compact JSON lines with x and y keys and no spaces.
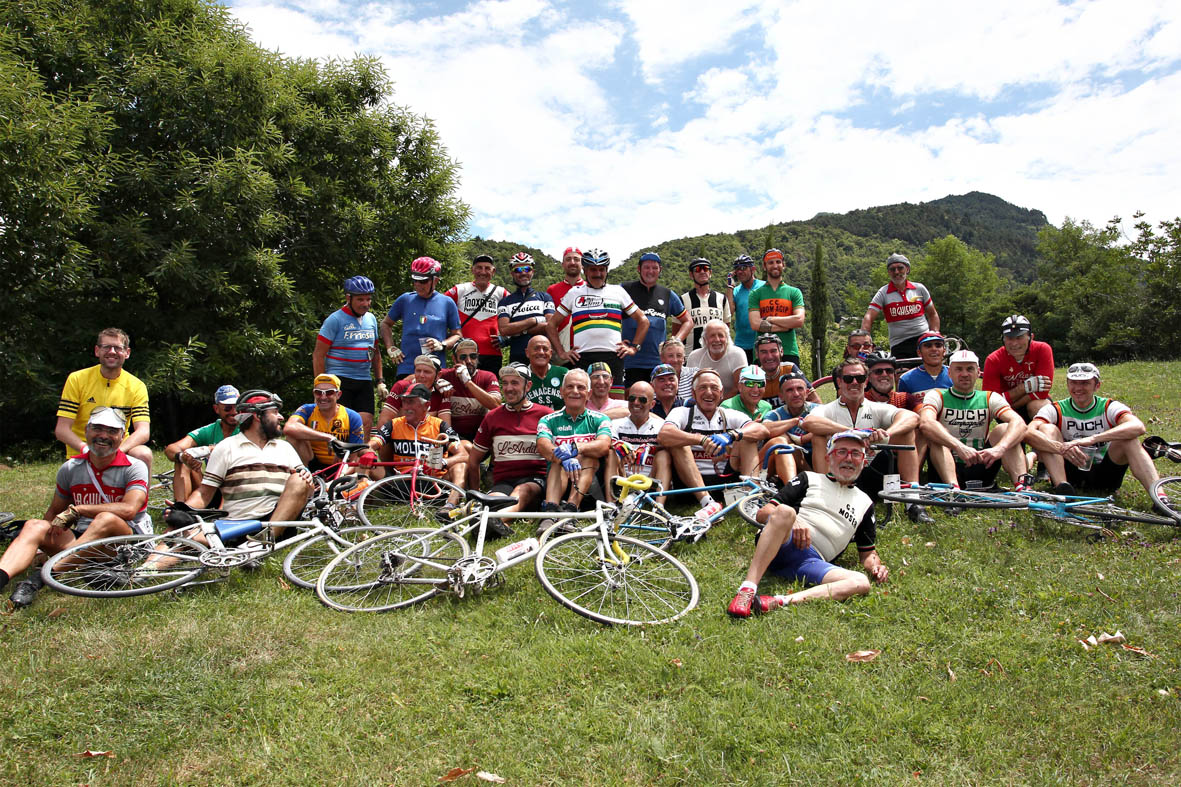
{"x":812,"y":521}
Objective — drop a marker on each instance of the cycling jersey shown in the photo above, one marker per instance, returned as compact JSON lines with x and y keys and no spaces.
{"x":510,"y":437}
{"x":837,"y":514}
{"x":870,"y":415}
{"x":557,"y":291}
{"x":210,"y":434}
{"x":643,"y":437}
{"x":1103,"y":414}
{"x":344,"y":425}
{"x":466,"y":410}
{"x":523,"y":305}
{"x":250,"y":478}
{"x":690,"y":419}
{"x":406,"y":442}
{"x":1003,"y":372}
{"x":438,"y":404}
{"x":905,"y":310}
{"x":781,"y":413}
{"x":713,"y":306}
{"x":422,"y":318}
{"x":781,"y":301}
{"x":744,"y":335}
{"x":658,"y":303}
{"x":478,"y":313}
{"x":919,"y":379}
{"x":771,"y":391}
{"x":966,"y":418}
{"x":735,"y":403}
{"x":351,"y":340}
{"x":87,"y":389}
{"x":596,"y":316}
{"x":547,"y":388}
{"x":76,"y":484}
{"x":559,"y":427}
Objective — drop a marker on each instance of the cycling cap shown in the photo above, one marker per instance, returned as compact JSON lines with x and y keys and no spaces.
{"x":1082,"y":371}
{"x":257,"y":401}
{"x":743,"y":261}
{"x":596,"y":257}
{"x":514,"y":370}
{"x":426,"y":359}
{"x":359,"y":285}
{"x":772,"y":254}
{"x":463,"y":343}
{"x":893,"y":258}
{"x":752,"y":373}
{"x":930,"y":336}
{"x":425,"y":268}
{"x":700,"y":262}
{"x":1015,"y":325}
{"x":599,"y":366}
{"x":326,"y":378}
{"x":649,"y":256}
{"x":571,"y":250}
{"x":877,"y":359}
{"x":964,"y":356}
{"x":661,"y":369}
{"x":794,"y":375}
{"x":849,"y":434}
{"x":482,"y":258}
{"x":520,"y":258}
{"x":418,"y":391}
{"x":768,"y":338}
{"x":107,"y":416}
{"x":227,"y":394}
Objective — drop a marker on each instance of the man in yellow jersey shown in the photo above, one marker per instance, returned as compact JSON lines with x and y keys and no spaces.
{"x":105,"y":385}
{"x":313,"y":426}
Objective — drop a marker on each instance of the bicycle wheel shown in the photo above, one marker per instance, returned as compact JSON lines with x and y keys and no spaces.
{"x":959,"y":498}
{"x":387,"y":503}
{"x":1168,"y":492}
{"x":749,"y":506}
{"x":647,"y":586}
{"x":1106,"y":513}
{"x":304,"y":563}
{"x":160,"y":492}
{"x":115,"y":567}
{"x":387,"y":572}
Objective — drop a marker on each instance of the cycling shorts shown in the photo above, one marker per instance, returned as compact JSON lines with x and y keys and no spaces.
{"x":799,"y":565}
{"x":1105,"y":477}
{"x":356,"y":394}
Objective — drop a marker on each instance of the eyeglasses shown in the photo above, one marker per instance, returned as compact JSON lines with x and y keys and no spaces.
{"x":939,"y":345}
{"x":112,"y":348}
{"x":865,"y":346}
{"x":754,"y":384}
{"x":640,"y":399}
{"x":849,"y":379}
{"x":523,"y":269}
{"x":466,"y":356}
{"x":853,"y":453}
{"x":881,"y":371}
{"x":318,"y":392}
{"x":896,"y":268}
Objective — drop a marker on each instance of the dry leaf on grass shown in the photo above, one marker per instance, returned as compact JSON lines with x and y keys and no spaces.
{"x":1116,"y":637}
{"x":676,"y":663}
{"x":455,"y":773}
{"x":1083,"y":642}
{"x":283,"y":584}
{"x":490,"y":777}
{"x":1094,"y":643}
{"x":950,"y":673}
{"x":92,"y":753}
{"x":800,"y":638}
{"x":1139,"y":651}
{"x":862,"y":655}
{"x":57,"y":613}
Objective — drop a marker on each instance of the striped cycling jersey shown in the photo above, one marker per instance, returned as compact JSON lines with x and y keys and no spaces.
{"x":596,"y":316}
{"x":87,"y":389}
{"x":351,"y":340}
{"x":966,"y":418}
{"x":1075,"y":424}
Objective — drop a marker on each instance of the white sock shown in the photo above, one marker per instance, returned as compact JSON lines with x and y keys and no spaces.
{"x":748,"y":585}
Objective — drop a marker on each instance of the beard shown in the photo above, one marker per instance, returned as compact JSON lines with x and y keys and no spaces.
{"x":271,"y":429}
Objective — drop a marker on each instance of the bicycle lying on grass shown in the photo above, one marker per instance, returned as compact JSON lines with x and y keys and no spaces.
{"x":608,"y":578}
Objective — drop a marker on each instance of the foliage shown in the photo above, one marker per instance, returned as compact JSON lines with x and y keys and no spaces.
{"x":818,"y":312}
{"x":967,"y":285}
{"x":167,"y":175}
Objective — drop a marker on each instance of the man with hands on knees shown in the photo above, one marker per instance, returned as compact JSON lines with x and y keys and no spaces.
{"x":811,"y":522}
{"x":573,"y":440}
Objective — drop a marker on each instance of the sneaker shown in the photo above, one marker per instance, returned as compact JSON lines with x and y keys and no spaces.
{"x":498,"y":528}
{"x":1064,"y":489}
{"x":743,"y":605}
{"x":548,"y":522}
{"x":953,"y":510}
{"x":1025,"y":482}
{"x":768,"y":603}
{"x":708,"y":510}
{"x":1043,"y":472}
{"x":22,"y":596}
{"x":918,"y":514}
{"x":566,"y":507}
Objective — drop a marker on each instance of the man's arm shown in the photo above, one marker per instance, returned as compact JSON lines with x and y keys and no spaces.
{"x":780,"y":428}
{"x":545,"y":447}
{"x":641,"y":327}
{"x":933,"y":429}
{"x":594,"y":449}
{"x":301,"y":431}
{"x":173,"y":450}
{"x":685,"y":325}
{"x":754,"y":318}
{"x":932,"y":316}
{"x":905,"y":422}
{"x":387,"y":333}
{"x":1128,"y":428}
{"x":475,"y":458}
{"x":140,"y":432}
{"x":874,"y":566}
{"x":201,"y":496}
{"x":489,"y":401}
{"x":65,"y":434}
{"x":783,"y":323}
{"x":319,"y":355}
{"x":871,"y":314}
{"x":127,"y":508}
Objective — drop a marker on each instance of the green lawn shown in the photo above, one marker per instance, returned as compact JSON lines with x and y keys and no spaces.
{"x":981,"y":678}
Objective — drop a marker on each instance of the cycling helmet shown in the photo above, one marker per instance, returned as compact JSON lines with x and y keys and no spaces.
{"x":255,"y":402}
{"x":896,"y":257}
{"x":359,"y":285}
{"x":743,"y":261}
{"x":1015,"y":325}
{"x":650,"y":256}
{"x":768,"y":338}
{"x":874,"y":359}
{"x":752,"y":373}
{"x":772,"y":254}
{"x":520,"y":258}
{"x":700,"y":262}
{"x":425,"y":268}
{"x":596,"y":257}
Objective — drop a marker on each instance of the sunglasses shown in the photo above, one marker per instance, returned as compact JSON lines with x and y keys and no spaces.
{"x":640,"y":399}
{"x":849,"y":379}
{"x":466,"y":356}
{"x":841,"y":453}
{"x":325,"y":391}
{"x":880,"y":371}
{"x":523,"y":269}
{"x":754,"y":384}
{"x":896,"y":269}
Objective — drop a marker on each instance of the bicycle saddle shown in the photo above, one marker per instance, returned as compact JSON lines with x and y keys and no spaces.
{"x":491,"y":502}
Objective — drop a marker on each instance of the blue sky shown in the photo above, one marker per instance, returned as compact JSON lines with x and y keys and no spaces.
{"x":623,"y":124}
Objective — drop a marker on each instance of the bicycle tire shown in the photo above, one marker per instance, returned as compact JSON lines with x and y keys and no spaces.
{"x":1166,"y":492}
{"x":749,"y":506}
{"x":957,"y":498}
{"x":303,"y":563}
{"x":112,"y":573}
{"x":387,"y":502}
{"x":1110,"y":512}
{"x":360,"y":579}
{"x":652,"y":588}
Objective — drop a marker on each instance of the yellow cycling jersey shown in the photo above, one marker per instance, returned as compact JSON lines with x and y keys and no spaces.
{"x":87,"y":389}
{"x":345,"y":425}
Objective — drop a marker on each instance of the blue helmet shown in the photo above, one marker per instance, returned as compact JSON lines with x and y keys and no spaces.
{"x":359,"y":285}
{"x":596,"y":257}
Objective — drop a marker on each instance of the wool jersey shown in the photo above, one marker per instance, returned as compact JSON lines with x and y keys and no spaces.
{"x":905,"y":310}
{"x":642,"y":437}
{"x":781,"y":301}
{"x":919,"y":379}
{"x":466,"y":410}
{"x":557,"y":291}
{"x":596,"y":316}
{"x":406,"y":443}
{"x":559,"y":427}
{"x":547,"y":389}
{"x":523,"y":305}
{"x":690,"y":419}
{"x":344,"y":425}
{"x":1003,"y":372}
{"x":1076,"y":424}
{"x":713,"y":306}
{"x":478,"y":313}
{"x":510,"y":437}
{"x":966,"y":418}
{"x":838,"y":514}
{"x":76,"y":484}
{"x":350,"y":339}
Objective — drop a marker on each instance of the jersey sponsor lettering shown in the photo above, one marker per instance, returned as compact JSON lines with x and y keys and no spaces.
{"x":511,"y":448}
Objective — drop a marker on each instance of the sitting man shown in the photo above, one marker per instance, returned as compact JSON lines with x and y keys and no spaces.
{"x":600,"y":400}
{"x":474,"y":391}
{"x":189,"y":452}
{"x":708,"y":443}
{"x":783,"y":424}
{"x":635,"y":448}
{"x":769,"y":355}
{"x":667,"y":390}
{"x":313,"y":426}
{"x":574,"y":440}
{"x":1022,"y":369}
{"x":260,"y":475}
{"x":412,"y":435}
{"x":883,"y":370}
{"x":426,"y":374}
{"x":752,"y":382}
{"x":509,"y":435}
{"x":887,"y":424}
{"x":1087,"y":441}
{"x":955,"y":421}
{"x":545,"y":379}
{"x":101,"y":493}
{"x":812,"y":522}
{"x":932,"y":374}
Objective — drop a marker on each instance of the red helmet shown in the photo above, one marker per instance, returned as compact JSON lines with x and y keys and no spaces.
{"x":425,"y":268}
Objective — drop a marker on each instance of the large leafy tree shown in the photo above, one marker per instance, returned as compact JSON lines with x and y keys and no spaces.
{"x":165,"y":174}
{"x":964,"y":285}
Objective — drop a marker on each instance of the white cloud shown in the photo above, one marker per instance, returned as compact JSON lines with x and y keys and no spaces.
{"x":671,"y":32}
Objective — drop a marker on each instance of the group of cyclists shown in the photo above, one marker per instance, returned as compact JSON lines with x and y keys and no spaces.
{"x":693,"y":389}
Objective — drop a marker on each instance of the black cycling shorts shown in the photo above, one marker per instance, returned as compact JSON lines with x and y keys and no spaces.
{"x":356,"y":394}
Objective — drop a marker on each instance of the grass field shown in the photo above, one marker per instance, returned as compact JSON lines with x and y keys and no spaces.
{"x":981,"y":677}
